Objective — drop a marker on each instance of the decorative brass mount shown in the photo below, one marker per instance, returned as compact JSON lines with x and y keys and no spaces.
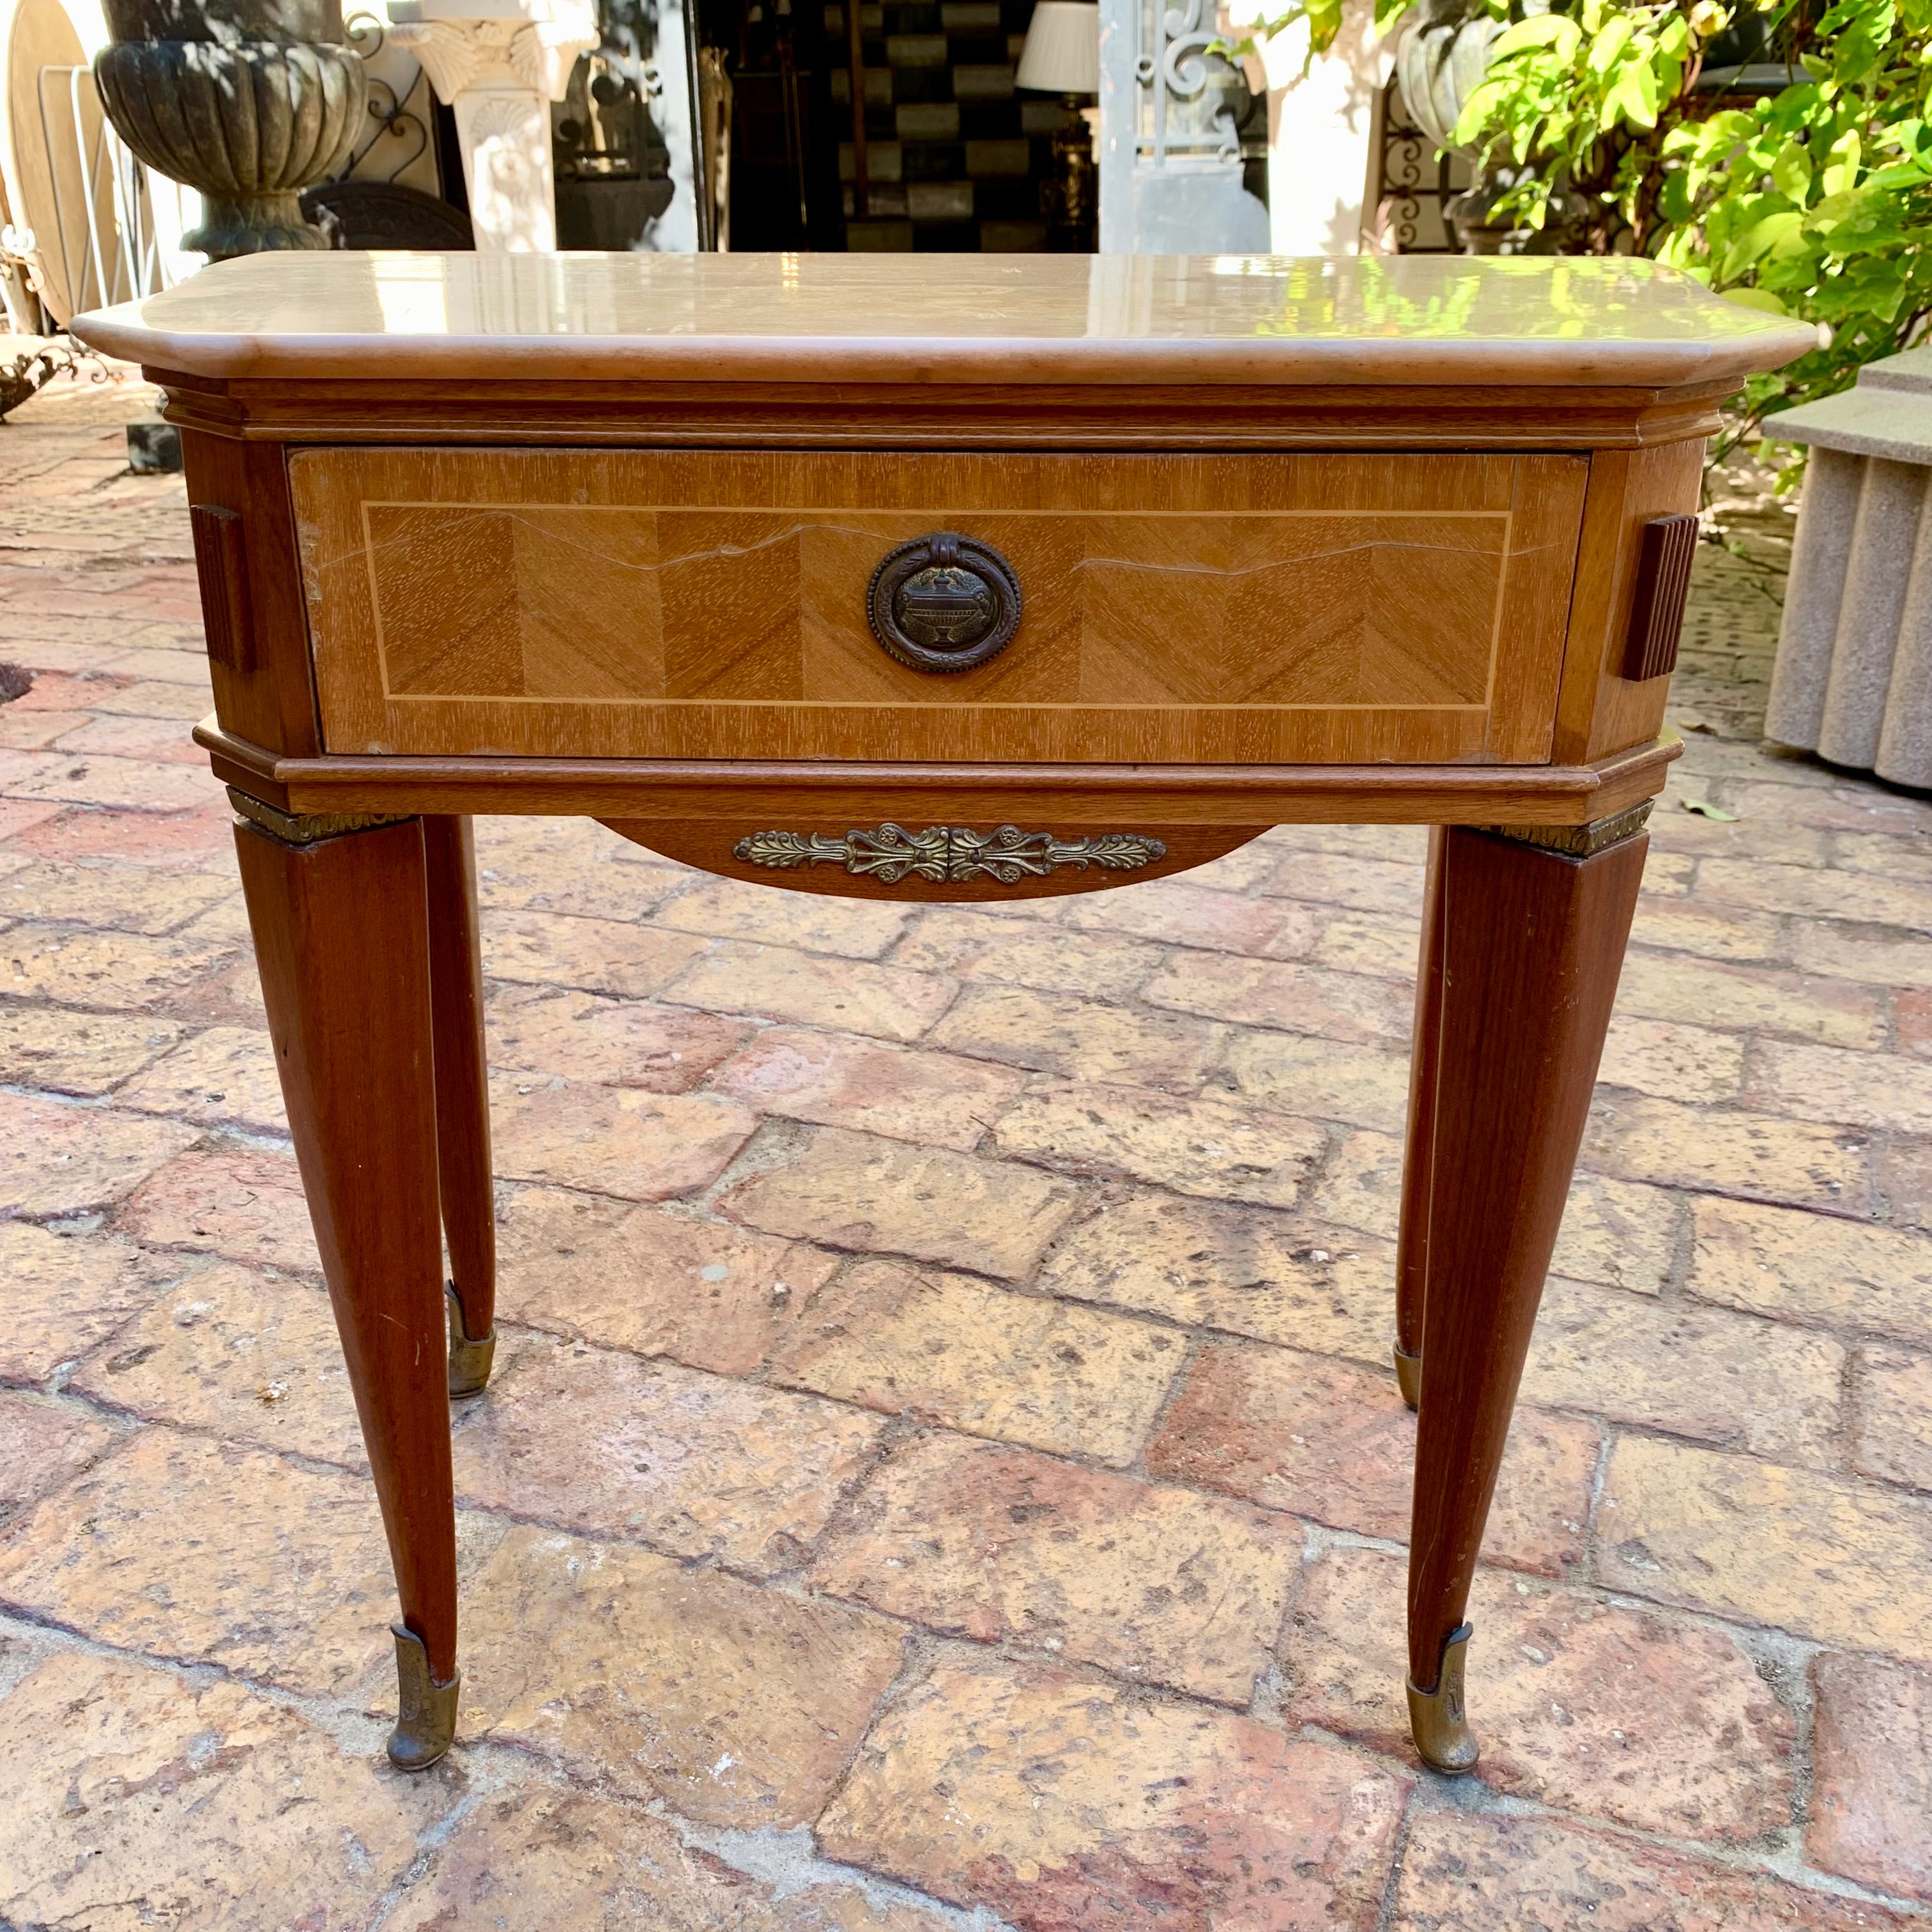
{"x":469,"y":1358}
{"x":951,"y":853}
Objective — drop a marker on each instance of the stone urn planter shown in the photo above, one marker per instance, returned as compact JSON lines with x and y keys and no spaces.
{"x":250,"y":101}
{"x":1442,"y":53}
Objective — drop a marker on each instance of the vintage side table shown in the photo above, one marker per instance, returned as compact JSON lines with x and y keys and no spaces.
{"x":933,"y":578}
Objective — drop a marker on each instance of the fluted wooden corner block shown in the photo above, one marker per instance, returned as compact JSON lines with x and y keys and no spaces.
{"x":1040,"y":575}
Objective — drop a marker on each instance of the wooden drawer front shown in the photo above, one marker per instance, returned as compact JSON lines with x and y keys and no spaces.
{"x":1274,"y":609}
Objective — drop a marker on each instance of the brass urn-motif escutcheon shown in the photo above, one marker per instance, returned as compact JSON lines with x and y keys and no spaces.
{"x":944,"y":602}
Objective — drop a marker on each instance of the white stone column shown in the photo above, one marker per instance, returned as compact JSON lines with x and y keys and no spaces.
{"x":499,"y":63}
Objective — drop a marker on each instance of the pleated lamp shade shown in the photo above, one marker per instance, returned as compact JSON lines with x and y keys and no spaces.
{"x":1062,"y":54}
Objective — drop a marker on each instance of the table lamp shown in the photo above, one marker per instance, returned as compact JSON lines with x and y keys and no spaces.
{"x":1062,"y":56}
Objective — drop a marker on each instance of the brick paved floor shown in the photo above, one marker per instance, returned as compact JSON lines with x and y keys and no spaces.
{"x":944,"y":1469}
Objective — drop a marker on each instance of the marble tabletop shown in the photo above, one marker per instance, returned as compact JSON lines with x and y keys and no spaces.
{"x":1001,"y":318}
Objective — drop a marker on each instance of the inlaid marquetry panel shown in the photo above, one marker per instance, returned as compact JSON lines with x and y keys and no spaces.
{"x":1280,"y":609}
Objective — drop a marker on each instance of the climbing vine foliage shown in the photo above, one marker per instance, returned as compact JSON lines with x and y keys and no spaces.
{"x":1814,"y":200}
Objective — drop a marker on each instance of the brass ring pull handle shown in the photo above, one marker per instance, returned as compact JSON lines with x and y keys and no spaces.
{"x":944,"y":602}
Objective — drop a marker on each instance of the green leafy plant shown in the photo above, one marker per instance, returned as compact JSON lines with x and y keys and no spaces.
{"x":1814,"y":201}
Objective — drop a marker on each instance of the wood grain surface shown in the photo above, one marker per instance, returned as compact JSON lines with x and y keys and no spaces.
{"x":1275,"y":609}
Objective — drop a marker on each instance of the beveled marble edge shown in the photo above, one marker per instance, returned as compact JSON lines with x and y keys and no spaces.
{"x":930,"y":361}
{"x":981,"y":319}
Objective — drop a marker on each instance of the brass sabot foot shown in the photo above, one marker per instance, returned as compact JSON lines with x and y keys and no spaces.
{"x":1409,"y":1376}
{"x":469,"y":1361}
{"x":426,"y":1711}
{"x":1437,"y":1719}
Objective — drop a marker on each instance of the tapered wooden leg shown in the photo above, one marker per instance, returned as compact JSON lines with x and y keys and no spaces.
{"x":462,"y":1100}
{"x":341,"y":937}
{"x":1532,"y":940}
{"x":1418,"y":1167}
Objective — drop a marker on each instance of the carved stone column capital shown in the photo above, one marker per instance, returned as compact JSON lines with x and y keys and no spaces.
{"x":500,"y":68}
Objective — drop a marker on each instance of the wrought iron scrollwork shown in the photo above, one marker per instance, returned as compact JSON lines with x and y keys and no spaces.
{"x":950,"y":853}
{"x":393,"y":115}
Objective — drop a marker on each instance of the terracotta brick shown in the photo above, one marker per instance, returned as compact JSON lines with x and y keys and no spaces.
{"x":88,"y":1054}
{"x":1182,"y":912}
{"x":178,"y":1547}
{"x":1707,"y":992}
{"x":860,"y":1191}
{"x":145,"y":697}
{"x":135,"y":784}
{"x":19,"y":816}
{"x":847,"y":995}
{"x":1329,"y":1440}
{"x":1709,"y":931}
{"x":534,"y":1857}
{"x":949,"y":1349}
{"x":940,"y":1099}
{"x":248,"y":1357}
{"x":225,"y":1077}
{"x":573,"y":866}
{"x":734,"y":1705}
{"x":1905,"y":1180}
{"x":617,"y":1042}
{"x":137,"y":1797}
{"x":102,"y":969}
{"x":1673,"y":1062}
{"x":597,"y":955}
{"x":1824,"y":1083}
{"x":1466,"y":1874}
{"x":1404,"y":844}
{"x":1879,"y":955}
{"x":653,"y":1282}
{"x":1383,"y":943}
{"x":1892,"y":1431}
{"x":230,"y":996}
{"x":1360,"y":1184}
{"x":43,"y":1444}
{"x":623,"y":1140}
{"x":1874,"y":899}
{"x":1000,"y":1545}
{"x":1871,"y":1791}
{"x":813,"y":922}
{"x":977,"y":945}
{"x":161,"y":739}
{"x":1680,"y":831}
{"x":239,"y":1202}
{"x":60,"y":1294}
{"x":1067,"y":1805}
{"x":1362,"y":1086}
{"x":1204,"y":1147}
{"x":1590,"y":1708}
{"x":59,"y":1157}
{"x":1847,"y":1563}
{"x":1913,"y":1012}
{"x":649,"y":1452}
{"x":133,"y":898}
{"x":1080,"y":1040}
{"x":1277,"y":1278}
{"x":1618,"y":1234}
{"x":39,"y":731}
{"x":1635,"y":1138}
{"x":1285,"y":993}
{"x":1812,"y":1268}
{"x":1362,"y":883}
{"x":1729,"y":1380}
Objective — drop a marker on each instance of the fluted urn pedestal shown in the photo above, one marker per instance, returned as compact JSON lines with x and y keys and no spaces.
{"x":249,"y":101}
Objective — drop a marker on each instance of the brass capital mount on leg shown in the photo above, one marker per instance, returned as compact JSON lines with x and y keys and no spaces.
{"x":1579,"y":841}
{"x":426,"y":1710}
{"x":1437,"y":1719}
{"x":294,"y":828}
{"x":1409,"y":1375}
